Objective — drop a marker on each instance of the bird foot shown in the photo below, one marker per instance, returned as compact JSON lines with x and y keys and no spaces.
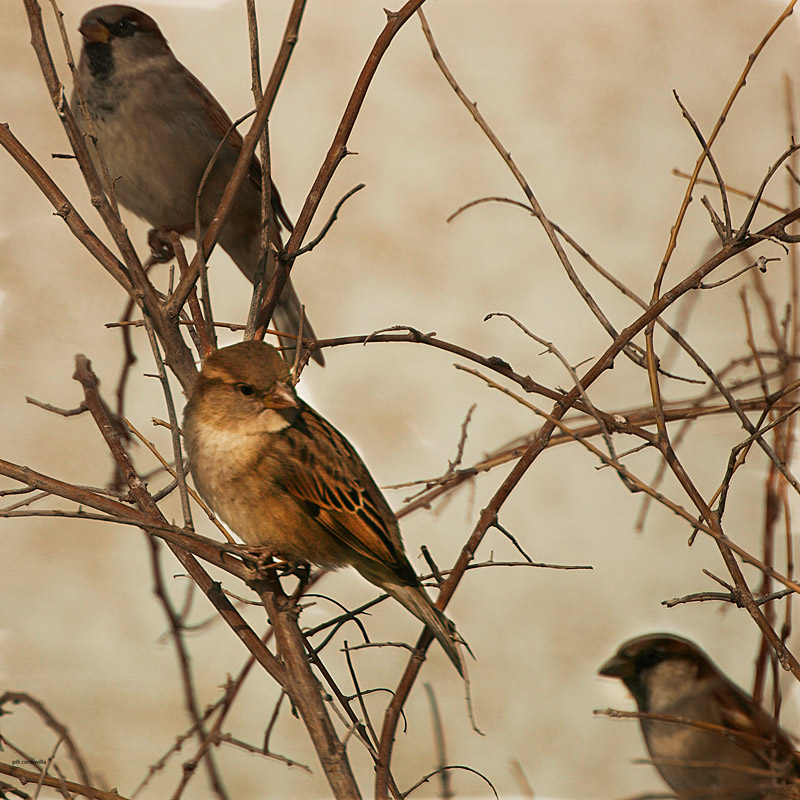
{"x":267,"y":558}
{"x":161,"y":249}
{"x":158,"y":240}
{"x":299,"y":569}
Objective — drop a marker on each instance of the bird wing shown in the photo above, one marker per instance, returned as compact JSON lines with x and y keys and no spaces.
{"x":221,"y":124}
{"x":324,"y":472}
{"x":762,"y":735}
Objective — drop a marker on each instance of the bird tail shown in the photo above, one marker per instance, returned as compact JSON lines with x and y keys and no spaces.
{"x":419,"y":604}
{"x":286,"y":317}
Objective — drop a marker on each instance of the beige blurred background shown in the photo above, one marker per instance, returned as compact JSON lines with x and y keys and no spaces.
{"x":580,"y":91}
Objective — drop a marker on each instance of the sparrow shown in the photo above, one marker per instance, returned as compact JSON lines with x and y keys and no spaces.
{"x":284,"y":478}
{"x":158,"y":127}
{"x":746,"y":757}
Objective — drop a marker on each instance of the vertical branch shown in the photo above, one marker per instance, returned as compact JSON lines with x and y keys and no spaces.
{"x":336,"y":153}
{"x":259,"y":278}
{"x":794,"y":201}
{"x":776,"y":499}
{"x":304,"y":690}
{"x":445,"y":791}
{"x":205,"y":338}
{"x":184,"y":663}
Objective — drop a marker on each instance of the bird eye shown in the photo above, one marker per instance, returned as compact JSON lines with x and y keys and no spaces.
{"x":126,"y":27}
{"x":245,"y":389}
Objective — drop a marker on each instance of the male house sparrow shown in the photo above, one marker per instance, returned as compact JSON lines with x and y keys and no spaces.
{"x":750,"y":758}
{"x":282,"y":477}
{"x":158,"y":128}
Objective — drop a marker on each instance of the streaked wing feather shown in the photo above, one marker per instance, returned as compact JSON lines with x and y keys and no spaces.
{"x":738,"y":715}
{"x":326,"y":473}
{"x":220,"y":123}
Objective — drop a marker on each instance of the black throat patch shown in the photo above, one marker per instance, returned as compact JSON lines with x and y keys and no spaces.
{"x":101,"y":59}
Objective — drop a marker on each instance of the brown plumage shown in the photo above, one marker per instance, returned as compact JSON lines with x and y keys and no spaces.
{"x":745,"y":757}
{"x":158,"y":128}
{"x":281,"y":476}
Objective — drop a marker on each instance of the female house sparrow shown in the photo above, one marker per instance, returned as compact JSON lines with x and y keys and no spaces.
{"x":158,"y":128}
{"x":282,"y":477}
{"x":751,"y":759}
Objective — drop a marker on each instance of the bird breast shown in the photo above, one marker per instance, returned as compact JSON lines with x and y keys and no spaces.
{"x":153,"y":146}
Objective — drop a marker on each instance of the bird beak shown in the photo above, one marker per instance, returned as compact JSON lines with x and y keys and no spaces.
{"x":94,"y":31}
{"x":281,"y":397}
{"x":616,"y":667}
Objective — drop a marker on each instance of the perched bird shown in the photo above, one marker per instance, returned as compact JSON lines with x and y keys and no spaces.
{"x":158,"y":127}
{"x":744,"y":755}
{"x":283,"y":477}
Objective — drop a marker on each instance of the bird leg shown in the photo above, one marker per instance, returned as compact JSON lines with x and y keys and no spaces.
{"x":161,"y":249}
{"x":302,"y":571}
